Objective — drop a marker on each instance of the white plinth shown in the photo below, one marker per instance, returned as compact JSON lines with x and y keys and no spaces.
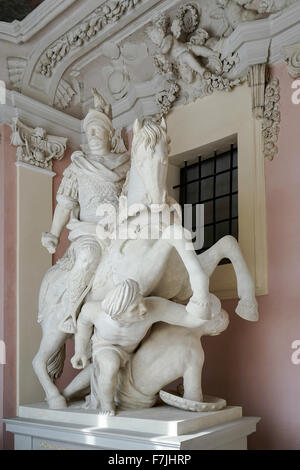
{"x":159,"y":428}
{"x":160,"y":420}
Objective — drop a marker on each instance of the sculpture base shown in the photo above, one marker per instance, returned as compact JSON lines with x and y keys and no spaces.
{"x":152,"y":429}
{"x":161,"y":420}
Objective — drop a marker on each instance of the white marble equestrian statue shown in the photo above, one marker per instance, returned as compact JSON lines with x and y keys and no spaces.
{"x":164,"y":265}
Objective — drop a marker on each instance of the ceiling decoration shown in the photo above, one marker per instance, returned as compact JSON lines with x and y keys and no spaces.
{"x":35,"y":147}
{"x":108,"y":13}
{"x":146,"y":56}
{"x":16,"y":68}
{"x":188,"y":58}
{"x":271,"y":119}
{"x":292,"y":58}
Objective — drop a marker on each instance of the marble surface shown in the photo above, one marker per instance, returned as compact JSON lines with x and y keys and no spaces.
{"x":43,"y":435}
{"x":162,"y":420}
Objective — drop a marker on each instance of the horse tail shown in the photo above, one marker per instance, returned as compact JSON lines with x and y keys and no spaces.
{"x":42,"y":302}
{"x":211,"y":403}
{"x":56,"y":362}
{"x":47,"y":299}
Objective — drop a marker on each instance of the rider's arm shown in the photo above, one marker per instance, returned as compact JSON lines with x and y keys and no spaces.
{"x":60,"y":219}
{"x":67,"y":200}
{"x":175,"y":314}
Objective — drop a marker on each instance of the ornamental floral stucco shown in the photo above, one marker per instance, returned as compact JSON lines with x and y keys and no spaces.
{"x":271,"y":119}
{"x":111,"y":12}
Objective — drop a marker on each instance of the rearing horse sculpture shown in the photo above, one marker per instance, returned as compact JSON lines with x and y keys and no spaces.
{"x":163,"y":267}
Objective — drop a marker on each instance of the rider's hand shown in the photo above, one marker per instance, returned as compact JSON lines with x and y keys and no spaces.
{"x":79,"y":361}
{"x":50,"y":242}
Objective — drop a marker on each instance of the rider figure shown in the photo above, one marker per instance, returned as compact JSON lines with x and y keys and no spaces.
{"x":89,"y":181}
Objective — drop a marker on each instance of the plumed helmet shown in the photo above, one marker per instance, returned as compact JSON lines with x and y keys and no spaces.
{"x":101,"y":114}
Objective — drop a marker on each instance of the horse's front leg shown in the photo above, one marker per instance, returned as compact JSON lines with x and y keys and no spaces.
{"x":229,"y":248}
{"x":179,"y":238}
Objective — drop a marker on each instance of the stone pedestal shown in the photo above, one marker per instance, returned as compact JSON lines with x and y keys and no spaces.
{"x":159,"y":428}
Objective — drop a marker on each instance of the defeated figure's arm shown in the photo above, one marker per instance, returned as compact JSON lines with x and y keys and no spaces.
{"x":82,"y":338}
{"x":175,"y":314}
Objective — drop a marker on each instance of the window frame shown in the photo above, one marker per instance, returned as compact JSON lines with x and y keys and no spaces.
{"x":204,"y":126}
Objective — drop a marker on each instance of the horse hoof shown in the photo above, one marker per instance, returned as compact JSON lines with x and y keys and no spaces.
{"x":57,"y":403}
{"x":247,"y":309}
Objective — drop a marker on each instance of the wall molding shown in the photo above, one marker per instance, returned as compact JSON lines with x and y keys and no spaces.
{"x":35,"y":168}
{"x":261,"y":41}
{"x":292,"y":58}
{"x":271,"y":119}
{"x":19,"y":32}
{"x":37,"y":114}
{"x":255,"y":43}
{"x":35,"y":146}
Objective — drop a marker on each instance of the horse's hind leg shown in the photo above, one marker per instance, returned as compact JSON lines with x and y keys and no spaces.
{"x":229,"y":248}
{"x":51,"y":343}
{"x":181,"y":239}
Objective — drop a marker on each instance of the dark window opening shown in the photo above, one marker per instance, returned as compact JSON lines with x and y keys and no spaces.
{"x":11,"y":10}
{"x":213,"y":182}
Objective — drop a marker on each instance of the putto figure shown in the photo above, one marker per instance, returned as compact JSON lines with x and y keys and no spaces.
{"x":232,"y":13}
{"x":186,"y":56}
{"x":91,"y":180}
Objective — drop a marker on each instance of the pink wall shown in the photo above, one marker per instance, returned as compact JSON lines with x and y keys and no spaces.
{"x":8,"y":327}
{"x":250,"y":364}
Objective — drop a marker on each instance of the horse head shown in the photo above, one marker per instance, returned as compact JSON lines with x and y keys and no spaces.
{"x":150,"y":149}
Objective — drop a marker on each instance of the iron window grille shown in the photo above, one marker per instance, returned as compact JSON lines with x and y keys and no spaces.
{"x":213,"y":182}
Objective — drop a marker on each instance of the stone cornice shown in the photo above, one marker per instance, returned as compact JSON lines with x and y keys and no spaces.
{"x":21,"y":31}
{"x":262,"y":41}
{"x":44,"y":88}
{"x":292,"y":58}
{"x":37,"y":114}
{"x":256,"y":42}
{"x":35,"y":147}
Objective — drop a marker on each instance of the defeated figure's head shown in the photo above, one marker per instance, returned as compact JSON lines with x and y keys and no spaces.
{"x":125,"y":303}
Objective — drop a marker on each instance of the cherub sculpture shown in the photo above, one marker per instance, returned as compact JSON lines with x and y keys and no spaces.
{"x":185,"y":57}
{"x":118,"y":325}
{"x":232,"y":13}
{"x":273,"y":6}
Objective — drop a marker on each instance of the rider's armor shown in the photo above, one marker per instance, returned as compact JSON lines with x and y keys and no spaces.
{"x":85,"y":186}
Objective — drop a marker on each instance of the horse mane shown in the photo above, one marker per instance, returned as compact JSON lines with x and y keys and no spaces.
{"x":150,"y":134}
